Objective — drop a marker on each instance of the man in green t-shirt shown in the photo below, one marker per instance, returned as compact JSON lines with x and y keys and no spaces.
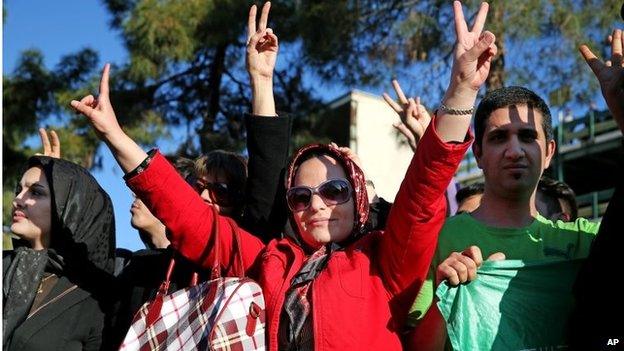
{"x":513,"y":146}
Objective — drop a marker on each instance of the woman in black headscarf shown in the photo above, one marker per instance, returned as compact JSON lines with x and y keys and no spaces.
{"x":55,"y":280}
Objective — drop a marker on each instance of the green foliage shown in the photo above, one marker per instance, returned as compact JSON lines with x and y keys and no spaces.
{"x":37,"y":97}
{"x":186,"y":65}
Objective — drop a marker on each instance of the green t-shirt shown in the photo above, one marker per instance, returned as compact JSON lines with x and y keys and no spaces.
{"x":540,"y":240}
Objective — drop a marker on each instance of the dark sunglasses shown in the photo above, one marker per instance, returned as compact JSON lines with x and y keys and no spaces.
{"x":220,"y":193}
{"x":332,"y":191}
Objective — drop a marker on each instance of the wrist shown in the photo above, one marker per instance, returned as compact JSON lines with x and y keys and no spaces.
{"x":462,"y":98}
{"x":114,"y":135}
{"x":260,"y":80}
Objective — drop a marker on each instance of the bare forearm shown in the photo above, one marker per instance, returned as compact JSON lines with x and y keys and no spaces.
{"x":128,"y":154}
{"x":453,"y":128}
{"x":262,"y":100}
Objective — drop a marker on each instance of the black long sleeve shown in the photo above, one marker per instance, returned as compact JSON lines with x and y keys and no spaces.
{"x":265,"y":210}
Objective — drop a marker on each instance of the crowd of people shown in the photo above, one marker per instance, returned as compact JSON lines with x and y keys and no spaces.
{"x":339,"y":267}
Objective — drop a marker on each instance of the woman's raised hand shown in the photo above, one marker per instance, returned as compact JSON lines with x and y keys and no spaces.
{"x":474,"y":50}
{"x":262,"y":48}
{"x":472,"y":57}
{"x":262,"y":45}
{"x":99,"y":111}
{"x":50,"y":148}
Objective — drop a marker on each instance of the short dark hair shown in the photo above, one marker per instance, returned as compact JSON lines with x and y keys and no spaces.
{"x":553,"y":190}
{"x":232,"y":166}
{"x":184,"y":166}
{"x":509,"y":96}
{"x":468,"y":191}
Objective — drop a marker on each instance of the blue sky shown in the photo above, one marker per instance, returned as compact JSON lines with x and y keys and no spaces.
{"x":61,"y":27}
{"x":57,"y":28}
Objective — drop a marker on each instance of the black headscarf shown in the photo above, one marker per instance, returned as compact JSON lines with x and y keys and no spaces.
{"x":82,"y":241}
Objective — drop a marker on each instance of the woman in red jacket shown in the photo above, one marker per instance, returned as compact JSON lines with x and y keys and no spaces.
{"x":333,"y":286}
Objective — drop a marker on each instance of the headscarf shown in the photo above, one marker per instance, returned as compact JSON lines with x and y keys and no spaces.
{"x":82,"y":240}
{"x":296,"y":330}
{"x":355,"y":176}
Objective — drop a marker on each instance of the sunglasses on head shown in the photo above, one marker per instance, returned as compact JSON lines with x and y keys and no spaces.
{"x":332,"y":191}
{"x":220,"y":193}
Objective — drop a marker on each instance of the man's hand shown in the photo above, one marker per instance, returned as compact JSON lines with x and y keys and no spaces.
{"x":53,"y":148}
{"x":460,"y":268}
{"x":414,"y":117}
{"x":100,"y":111}
{"x":610,"y":74}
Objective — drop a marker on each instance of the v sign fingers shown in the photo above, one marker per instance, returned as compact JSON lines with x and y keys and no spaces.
{"x":50,"y":148}
{"x":264,"y":16}
{"x":55,"y":147}
{"x":262,"y":45}
{"x":251,"y":22}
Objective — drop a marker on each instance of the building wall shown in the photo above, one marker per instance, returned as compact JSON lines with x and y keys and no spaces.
{"x":384,"y":154}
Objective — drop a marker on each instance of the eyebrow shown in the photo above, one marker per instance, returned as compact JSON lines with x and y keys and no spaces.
{"x":37,"y":185}
{"x":497,"y":131}
{"x":528,"y":130}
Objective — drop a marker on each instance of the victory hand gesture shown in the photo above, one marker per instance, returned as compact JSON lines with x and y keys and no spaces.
{"x":414,"y":117}
{"x":99,"y":111}
{"x":262,"y":45}
{"x":473,"y":51}
{"x":610,"y":74}
{"x":51,"y":149}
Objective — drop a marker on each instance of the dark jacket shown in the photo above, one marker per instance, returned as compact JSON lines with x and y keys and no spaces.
{"x":265,"y":210}
{"x":599,"y":307}
{"x":68,"y":319}
{"x":71,"y":316}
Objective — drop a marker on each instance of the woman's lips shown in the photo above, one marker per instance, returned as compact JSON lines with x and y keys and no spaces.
{"x":18,"y":215}
{"x":318,"y":222}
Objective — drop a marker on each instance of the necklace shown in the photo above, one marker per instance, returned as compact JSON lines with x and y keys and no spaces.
{"x":40,"y":290}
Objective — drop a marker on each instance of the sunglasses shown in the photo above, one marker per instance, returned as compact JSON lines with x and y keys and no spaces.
{"x":220,"y":193}
{"x":332,"y":191}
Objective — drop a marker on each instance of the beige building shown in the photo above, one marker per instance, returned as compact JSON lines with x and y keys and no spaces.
{"x":384,"y":153}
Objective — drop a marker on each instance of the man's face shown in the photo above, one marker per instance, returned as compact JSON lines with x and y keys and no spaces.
{"x":514,"y":151}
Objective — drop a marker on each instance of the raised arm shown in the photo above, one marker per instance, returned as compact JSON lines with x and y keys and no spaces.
{"x":268,"y":139}
{"x":262,"y":48}
{"x":610,"y":74}
{"x":472,"y":57}
{"x":173,"y":201}
{"x":102,"y":117}
{"x":420,"y":206}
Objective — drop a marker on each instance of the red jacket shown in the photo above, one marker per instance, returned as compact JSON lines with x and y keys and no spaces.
{"x":361,"y":299}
